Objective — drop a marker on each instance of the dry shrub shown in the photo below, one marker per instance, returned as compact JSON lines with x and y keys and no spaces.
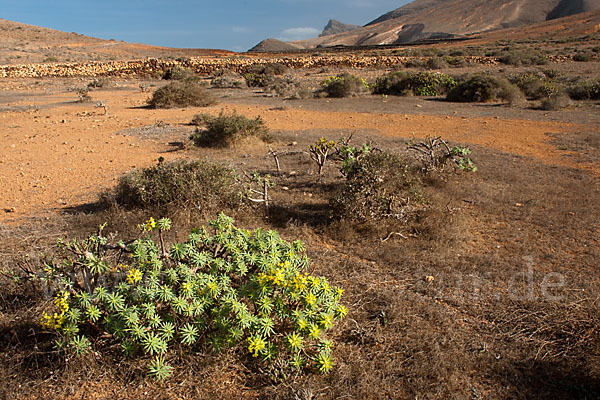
{"x":195,"y":185}
{"x":179,"y":73}
{"x":289,"y":87}
{"x":260,"y":75}
{"x":344,"y":85}
{"x":380,"y":185}
{"x":181,"y":94}
{"x":556,"y":102}
{"x":101,"y":82}
{"x":226,"y":78}
{"x":484,"y":88}
{"x":226,"y":130}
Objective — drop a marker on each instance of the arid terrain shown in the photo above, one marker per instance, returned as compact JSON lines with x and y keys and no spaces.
{"x":486,"y":289}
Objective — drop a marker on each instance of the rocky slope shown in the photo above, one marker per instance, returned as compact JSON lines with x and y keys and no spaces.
{"x":24,"y":44}
{"x":427,"y":19}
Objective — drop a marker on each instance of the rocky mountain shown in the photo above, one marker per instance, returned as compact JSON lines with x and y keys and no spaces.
{"x":334,"y":27}
{"x":430,"y":19}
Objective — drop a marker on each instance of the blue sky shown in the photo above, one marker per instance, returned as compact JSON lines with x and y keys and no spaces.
{"x":232,"y":25}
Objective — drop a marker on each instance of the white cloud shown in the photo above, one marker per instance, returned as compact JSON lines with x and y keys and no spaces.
{"x":298,"y":34}
{"x":241,"y":29}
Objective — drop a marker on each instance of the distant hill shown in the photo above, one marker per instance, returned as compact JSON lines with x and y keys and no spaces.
{"x":429,"y":19}
{"x":272,"y":45}
{"x":25,"y":44}
{"x":334,"y":27}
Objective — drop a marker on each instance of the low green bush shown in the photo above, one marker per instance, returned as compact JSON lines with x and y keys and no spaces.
{"x":536,"y":85}
{"x":378,"y":185}
{"x":585,"y":90}
{"x":344,"y":85}
{"x":223,"y":288}
{"x":402,"y":83}
{"x":181,"y":94}
{"x":201,"y":185}
{"x":484,"y":88}
{"x":226,"y":130}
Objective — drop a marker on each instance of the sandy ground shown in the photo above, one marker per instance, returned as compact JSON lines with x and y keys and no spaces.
{"x":59,"y":154}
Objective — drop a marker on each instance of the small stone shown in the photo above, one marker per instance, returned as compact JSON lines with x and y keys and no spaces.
{"x":10,"y":210}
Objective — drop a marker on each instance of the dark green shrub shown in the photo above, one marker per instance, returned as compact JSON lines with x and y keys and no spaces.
{"x":196,"y":185}
{"x":179,"y":73}
{"x":583,"y":57}
{"x":223,"y":288}
{"x":181,"y":94}
{"x":378,"y":185}
{"x":226,"y":130}
{"x":344,"y":85}
{"x":484,"y":88}
{"x":402,"y":83}
{"x":585,"y":90}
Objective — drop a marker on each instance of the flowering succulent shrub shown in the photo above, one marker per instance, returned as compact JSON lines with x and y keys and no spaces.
{"x":344,"y":85}
{"x":420,"y":84}
{"x":223,"y":287}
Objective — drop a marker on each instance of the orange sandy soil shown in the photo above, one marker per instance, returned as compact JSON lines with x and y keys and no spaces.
{"x":64,"y":153}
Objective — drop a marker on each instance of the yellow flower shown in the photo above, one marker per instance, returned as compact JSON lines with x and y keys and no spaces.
{"x":134,"y":276}
{"x":314,"y":331}
{"x":327,"y":321}
{"x":310,"y":300}
{"x":255,"y":345}
{"x":295,"y":341}
{"x":278,"y":276}
{"x":55,"y":320}
{"x":150,"y":224}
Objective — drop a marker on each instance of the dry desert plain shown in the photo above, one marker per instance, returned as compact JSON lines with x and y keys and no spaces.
{"x":490,"y":291}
